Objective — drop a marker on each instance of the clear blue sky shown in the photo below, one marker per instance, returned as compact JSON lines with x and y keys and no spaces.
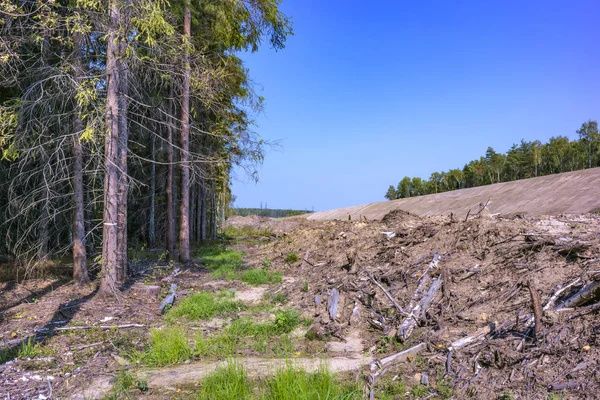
{"x":367,"y":92}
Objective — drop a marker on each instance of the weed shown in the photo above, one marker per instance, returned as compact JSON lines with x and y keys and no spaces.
{"x":205,"y":305}
{"x":420,"y":361}
{"x":228,"y":382}
{"x":419,"y":391}
{"x":554,"y":396}
{"x":125,"y":381}
{"x":266,"y":263}
{"x":30,"y":349}
{"x":444,"y":387}
{"x":167,"y":346}
{"x":279,"y":298}
{"x":305,"y":287}
{"x":392,"y":389}
{"x":291,"y":257}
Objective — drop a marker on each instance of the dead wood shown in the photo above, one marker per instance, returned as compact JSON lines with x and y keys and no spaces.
{"x":388,"y":295}
{"x":402,"y":356}
{"x":588,"y":293}
{"x":332,"y":303}
{"x":537,"y":309}
{"x":471,"y":339}
{"x":170,"y":299}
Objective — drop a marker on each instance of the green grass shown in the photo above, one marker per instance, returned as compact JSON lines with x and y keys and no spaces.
{"x":167,"y":346}
{"x":291,"y":257}
{"x":226,"y":383}
{"x":28,"y":348}
{"x":217,"y":345}
{"x":243,"y":334}
{"x":294,"y":383}
{"x":227,"y":264}
{"x":235,"y":232}
{"x":206,"y":305}
{"x":260,"y":276}
{"x":232,"y":382}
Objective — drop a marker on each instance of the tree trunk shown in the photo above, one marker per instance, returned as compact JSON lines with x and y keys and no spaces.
{"x":199,"y":201}
{"x":203,"y":213}
{"x":170,"y":181}
{"x":123,"y":190}
{"x":151,"y":219}
{"x":80,"y":273}
{"x":110,"y":250}
{"x":184,"y":224}
{"x":213,"y":217}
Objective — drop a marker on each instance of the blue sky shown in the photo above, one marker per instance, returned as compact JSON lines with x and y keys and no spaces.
{"x":367,"y":92}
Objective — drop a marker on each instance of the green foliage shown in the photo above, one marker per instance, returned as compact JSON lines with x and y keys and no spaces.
{"x":291,"y":257}
{"x":305,"y":287}
{"x":167,"y":346}
{"x":205,"y":305}
{"x":226,"y":383}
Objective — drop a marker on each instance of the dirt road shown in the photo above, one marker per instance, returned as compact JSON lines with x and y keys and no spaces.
{"x":568,"y":193}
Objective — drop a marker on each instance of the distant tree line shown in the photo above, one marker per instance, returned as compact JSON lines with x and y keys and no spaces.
{"x":521,"y":161}
{"x":267,"y":212}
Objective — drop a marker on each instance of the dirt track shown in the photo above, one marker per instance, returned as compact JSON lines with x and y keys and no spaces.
{"x":568,"y":193}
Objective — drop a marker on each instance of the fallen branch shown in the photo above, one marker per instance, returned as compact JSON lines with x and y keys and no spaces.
{"x":402,"y":356}
{"x":474,"y":338}
{"x":170,"y":299}
{"x":389,"y":296}
{"x":590,"y":292}
{"x":409,"y":323}
{"x":73,"y":328}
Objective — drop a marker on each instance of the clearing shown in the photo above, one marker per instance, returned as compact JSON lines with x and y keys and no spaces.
{"x":408,"y":307}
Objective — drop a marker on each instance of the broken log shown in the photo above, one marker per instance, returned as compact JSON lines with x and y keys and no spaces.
{"x":474,"y":338}
{"x":332,"y":303}
{"x":537,"y":309}
{"x":414,"y":310}
{"x":401,"y":356}
{"x":588,"y":293}
{"x":170,"y":299}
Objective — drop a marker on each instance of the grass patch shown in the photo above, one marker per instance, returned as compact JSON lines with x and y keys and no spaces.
{"x":227,"y":264}
{"x":206,"y":305}
{"x":267,"y":337}
{"x":235,"y":232}
{"x":291,"y":257}
{"x":167,"y":346}
{"x":285,"y":322}
{"x":226,"y":383}
{"x":232,"y":382}
{"x":217,"y":345}
{"x":260,"y":276}
{"x":28,"y":348}
{"x":293,"y":383}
